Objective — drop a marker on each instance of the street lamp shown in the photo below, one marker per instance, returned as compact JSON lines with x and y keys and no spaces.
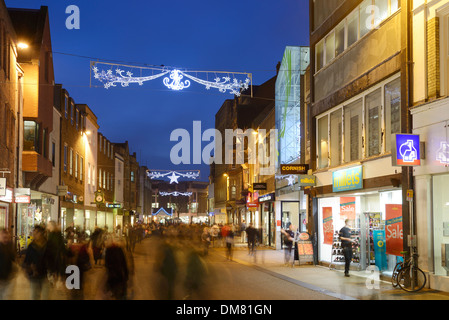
{"x":22,"y":45}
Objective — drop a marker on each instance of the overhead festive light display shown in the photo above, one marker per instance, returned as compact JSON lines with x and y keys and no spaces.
{"x":175,"y":194}
{"x":173,"y":175}
{"x":112,"y":75}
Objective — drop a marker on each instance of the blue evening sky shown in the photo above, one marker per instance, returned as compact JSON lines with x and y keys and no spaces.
{"x":210,"y":35}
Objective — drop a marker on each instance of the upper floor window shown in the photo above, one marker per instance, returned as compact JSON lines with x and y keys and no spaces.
{"x":366,"y":17}
{"x":360,"y":128}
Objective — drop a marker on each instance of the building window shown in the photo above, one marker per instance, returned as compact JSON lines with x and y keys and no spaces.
{"x":72,"y":113}
{"x":53,"y":154}
{"x":99,"y":179}
{"x":373,"y":123}
{"x":366,"y":17}
{"x":71,"y":161}
{"x":30,"y":136}
{"x":353,"y":131}
{"x":65,"y":158}
{"x":392,"y":111}
{"x":323,"y":142}
{"x":77,"y":119}
{"x":336,"y":138}
{"x":76,"y":165}
{"x":66,"y":106}
{"x":132,"y":176}
{"x":81,"y":168}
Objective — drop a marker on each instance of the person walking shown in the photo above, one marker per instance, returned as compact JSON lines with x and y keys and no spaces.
{"x":36,"y":264}
{"x":205,"y":240}
{"x":7,"y":264}
{"x":117,"y":272}
{"x":251,"y":234}
{"x":289,"y":236}
{"x":229,"y":243}
{"x":346,"y":243}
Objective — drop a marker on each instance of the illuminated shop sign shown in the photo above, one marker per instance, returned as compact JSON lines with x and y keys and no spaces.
{"x":406,"y":151}
{"x":347,"y":179}
{"x":267,"y":197}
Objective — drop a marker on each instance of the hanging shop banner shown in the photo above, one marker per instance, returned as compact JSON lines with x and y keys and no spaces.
{"x":328,"y":225}
{"x":307,"y":180}
{"x":380,"y":252}
{"x":393,"y":229}
{"x":406,"y":150}
{"x":347,"y":208}
{"x":294,"y":168}
{"x":2,"y":187}
{"x":347,"y":179}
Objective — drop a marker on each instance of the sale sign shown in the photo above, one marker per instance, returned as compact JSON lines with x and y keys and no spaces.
{"x":347,"y":208}
{"x":328,"y":226}
{"x":393,"y":229}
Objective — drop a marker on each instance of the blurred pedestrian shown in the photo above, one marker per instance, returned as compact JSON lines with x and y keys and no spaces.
{"x":57,"y":254}
{"x":7,"y":264}
{"x":288,"y":243}
{"x":229,"y":242}
{"x":167,"y":267}
{"x":117,"y":272}
{"x":195,"y":277}
{"x":205,"y":240}
{"x":80,"y":254}
{"x":36,"y":264}
{"x":97,"y":244}
{"x":251,"y":233}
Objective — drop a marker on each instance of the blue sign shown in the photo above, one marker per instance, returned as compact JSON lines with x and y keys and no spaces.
{"x":347,"y":179}
{"x":407,"y":150}
{"x":380,"y":251}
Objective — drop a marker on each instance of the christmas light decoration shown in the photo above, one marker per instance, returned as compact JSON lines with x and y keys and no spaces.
{"x":290,"y":178}
{"x":175,"y":194}
{"x":173,"y":175}
{"x":224,"y":83}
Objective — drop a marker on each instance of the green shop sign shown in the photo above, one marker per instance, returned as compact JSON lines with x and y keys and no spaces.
{"x":347,"y":179}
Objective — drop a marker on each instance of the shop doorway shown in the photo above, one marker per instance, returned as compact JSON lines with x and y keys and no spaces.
{"x":291,"y":215}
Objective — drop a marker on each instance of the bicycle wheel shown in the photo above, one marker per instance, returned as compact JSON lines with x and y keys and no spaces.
{"x":394,"y":276}
{"x":411,"y":279}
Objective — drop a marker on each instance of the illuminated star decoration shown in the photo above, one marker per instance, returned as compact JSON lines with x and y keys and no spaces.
{"x":173,"y":175}
{"x":175,"y":81}
{"x":175,"y":194}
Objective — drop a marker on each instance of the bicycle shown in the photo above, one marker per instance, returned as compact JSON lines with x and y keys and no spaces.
{"x":407,"y":275}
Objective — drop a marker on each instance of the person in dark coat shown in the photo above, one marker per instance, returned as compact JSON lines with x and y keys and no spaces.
{"x":251,"y":233}
{"x":36,"y":264}
{"x":117,"y":273}
{"x":57,"y":252}
{"x":7,"y":264}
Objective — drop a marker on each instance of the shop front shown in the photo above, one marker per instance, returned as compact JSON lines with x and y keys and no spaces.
{"x":268,"y":219}
{"x":431,"y":122}
{"x":5,"y":205}
{"x":34,"y":208}
{"x":291,"y":203}
{"x":374,"y":216}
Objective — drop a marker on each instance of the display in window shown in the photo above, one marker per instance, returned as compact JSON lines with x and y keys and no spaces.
{"x":328,"y":226}
{"x":393,"y":229}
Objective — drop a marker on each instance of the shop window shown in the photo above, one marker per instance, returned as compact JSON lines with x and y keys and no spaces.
{"x":373,"y":123}
{"x":441,"y":224}
{"x":336,"y":144}
{"x":392,"y":111}
{"x":353,"y":131}
{"x":323,"y":142}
